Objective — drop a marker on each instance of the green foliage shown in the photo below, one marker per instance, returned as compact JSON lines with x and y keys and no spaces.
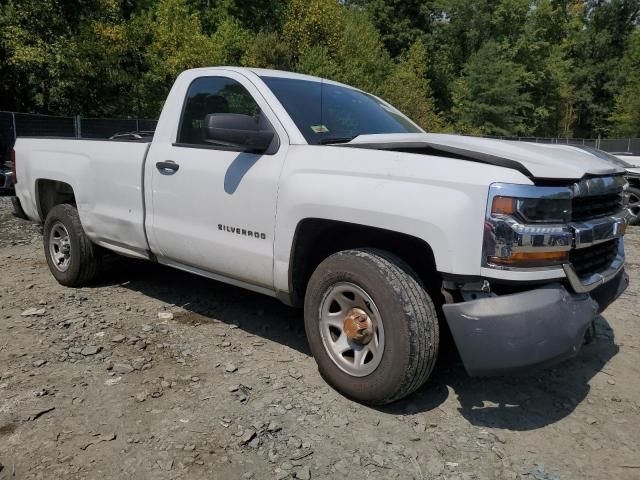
{"x":408,"y":89}
{"x":357,"y":57}
{"x":176,"y":42}
{"x":312,"y":24}
{"x":268,"y":50}
{"x":625,"y":118}
{"x":489,"y":98}
{"x":400,"y":22}
{"x":255,"y":15}
{"x":507,"y":67}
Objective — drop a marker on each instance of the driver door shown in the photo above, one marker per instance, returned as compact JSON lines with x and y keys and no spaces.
{"x":213,"y":208}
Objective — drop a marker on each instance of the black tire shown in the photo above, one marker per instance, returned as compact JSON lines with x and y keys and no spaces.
{"x":632,"y":196}
{"x":84,"y":257}
{"x":408,"y":315}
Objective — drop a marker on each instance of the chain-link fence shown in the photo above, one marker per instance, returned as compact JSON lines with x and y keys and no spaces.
{"x":613,"y":145}
{"x":13,"y":124}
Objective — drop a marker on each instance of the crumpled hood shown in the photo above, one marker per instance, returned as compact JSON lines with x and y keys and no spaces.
{"x":536,"y":160}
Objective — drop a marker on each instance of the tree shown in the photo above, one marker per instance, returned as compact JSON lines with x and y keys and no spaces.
{"x":597,"y":53}
{"x":312,"y":24}
{"x":400,"y":22}
{"x":539,"y":67}
{"x":268,"y":50}
{"x":408,"y":89}
{"x":542,"y":48}
{"x":176,"y":43}
{"x":489,"y":97}
{"x":254,"y":15}
{"x":625,"y":117}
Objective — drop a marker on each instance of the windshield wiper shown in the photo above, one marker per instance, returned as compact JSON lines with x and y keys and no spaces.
{"x":331,"y":140}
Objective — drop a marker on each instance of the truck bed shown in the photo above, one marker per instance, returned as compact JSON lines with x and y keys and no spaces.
{"x":106,"y":177}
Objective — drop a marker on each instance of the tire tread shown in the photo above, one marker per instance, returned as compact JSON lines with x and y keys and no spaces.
{"x":90,"y":258}
{"x":417,"y":309}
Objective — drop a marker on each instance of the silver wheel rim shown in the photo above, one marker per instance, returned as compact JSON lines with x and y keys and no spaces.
{"x":60,"y":247}
{"x":633,"y":203}
{"x":356,"y":358}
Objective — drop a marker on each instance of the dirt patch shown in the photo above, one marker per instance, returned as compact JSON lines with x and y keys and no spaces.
{"x":224,"y":387}
{"x":8,"y":428}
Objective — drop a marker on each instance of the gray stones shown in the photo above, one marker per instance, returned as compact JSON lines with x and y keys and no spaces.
{"x":247,"y":436}
{"x":294,"y":442}
{"x":90,"y":350}
{"x":122,"y":368}
{"x":304,"y":473}
{"x":141,"y":397}
{"x":274,"y":427}
{"x":138,"y":363}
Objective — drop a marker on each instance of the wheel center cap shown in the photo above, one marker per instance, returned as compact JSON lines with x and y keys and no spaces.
{"x":358,"y":326}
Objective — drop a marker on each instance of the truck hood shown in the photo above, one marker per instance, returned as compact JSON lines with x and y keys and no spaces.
{"x":535,"y":160}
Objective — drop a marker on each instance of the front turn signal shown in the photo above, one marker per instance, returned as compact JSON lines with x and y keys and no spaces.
{"x":530,"y":259}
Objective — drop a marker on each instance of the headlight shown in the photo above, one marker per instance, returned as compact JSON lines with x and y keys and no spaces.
{"x":526,"y":226}
{"x":534,"y":210}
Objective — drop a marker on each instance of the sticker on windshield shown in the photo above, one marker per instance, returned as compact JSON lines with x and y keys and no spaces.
{"x":319,"y":128}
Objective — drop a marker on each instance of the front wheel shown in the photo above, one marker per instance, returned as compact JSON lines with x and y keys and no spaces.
{"x":73,"y":260}
{"x":371,"y":326}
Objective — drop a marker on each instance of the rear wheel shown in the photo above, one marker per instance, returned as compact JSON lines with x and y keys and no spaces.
{"x":632,"y":201}
{"x":73,"y":260}
{"x":372,"y":327}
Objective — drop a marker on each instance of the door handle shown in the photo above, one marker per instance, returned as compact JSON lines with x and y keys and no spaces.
{"x":167,"y":168}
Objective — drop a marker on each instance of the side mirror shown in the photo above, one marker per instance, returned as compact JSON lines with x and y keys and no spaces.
{"x":237,"y":131}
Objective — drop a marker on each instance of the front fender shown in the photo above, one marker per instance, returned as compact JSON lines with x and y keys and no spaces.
{"x":438,"y":200}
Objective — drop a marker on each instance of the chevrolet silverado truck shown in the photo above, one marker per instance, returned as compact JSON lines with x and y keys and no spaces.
{"x":330,"y":199}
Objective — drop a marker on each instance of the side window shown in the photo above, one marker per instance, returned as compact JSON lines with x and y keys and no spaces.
{"x":208,"y":95}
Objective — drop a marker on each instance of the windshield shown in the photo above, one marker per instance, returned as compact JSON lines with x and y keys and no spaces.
{"x":327,"y":113}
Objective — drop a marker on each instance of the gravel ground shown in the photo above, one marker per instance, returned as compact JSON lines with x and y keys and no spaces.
{"x":157,"y":374}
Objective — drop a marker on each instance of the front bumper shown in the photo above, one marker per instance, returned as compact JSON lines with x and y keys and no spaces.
{"x":501,"y":334}
{"x":6,"y":182}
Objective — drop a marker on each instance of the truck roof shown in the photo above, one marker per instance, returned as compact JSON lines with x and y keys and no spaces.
{"x":265,"y":72}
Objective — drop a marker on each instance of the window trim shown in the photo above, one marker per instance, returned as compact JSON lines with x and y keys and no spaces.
{"x":273,"y":148}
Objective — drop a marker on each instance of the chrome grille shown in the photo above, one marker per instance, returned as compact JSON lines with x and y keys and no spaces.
{"x":595,"y":199}
{"x":597,"y":206}
{"x":595,"y":259}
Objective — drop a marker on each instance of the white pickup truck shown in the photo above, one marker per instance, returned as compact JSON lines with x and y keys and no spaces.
{"x":329,"y":198}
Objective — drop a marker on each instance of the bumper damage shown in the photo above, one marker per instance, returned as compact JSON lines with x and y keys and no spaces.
{"x":501,"y":334}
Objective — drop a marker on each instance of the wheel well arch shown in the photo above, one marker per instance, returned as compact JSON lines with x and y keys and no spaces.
{"x":50,"y":193}
{"x":315,"y":239}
